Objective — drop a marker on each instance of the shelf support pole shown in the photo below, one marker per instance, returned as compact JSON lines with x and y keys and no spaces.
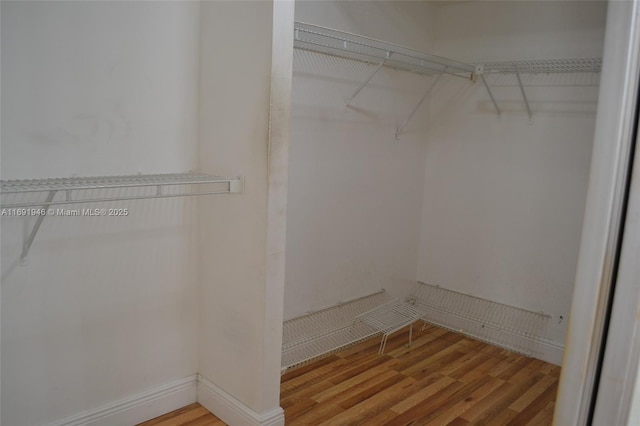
{"x":493,"y":100}
{"x":480,"y":72}
{"x":36,"y":227}
{"x":427,"y":93}
{"x":380,"y":65}
{"x":524,"y":95}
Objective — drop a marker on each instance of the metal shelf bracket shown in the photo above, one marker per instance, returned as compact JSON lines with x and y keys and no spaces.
{"x":380,"y":65}
{"x":480,"y":72}
{"x":524,"y":95}
{"x":32,"y":235}
{"x":236,"y":186}
{"x":400,"y":129}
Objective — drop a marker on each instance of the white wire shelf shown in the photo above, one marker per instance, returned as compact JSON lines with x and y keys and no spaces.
{"x":341,"y":44}
{"x":326,"y":344}
{"x":36,"y":192}
{"x":326,"y":320}
{"x":544,"y":66}
{"x":312,"y":336}
{"x":364,"y":49}
{"x":506,"y":326}
{"x":391,"y":317}
{"x":317,"y":334}
{"x":40,"y":194}
{"x":538,"y":66}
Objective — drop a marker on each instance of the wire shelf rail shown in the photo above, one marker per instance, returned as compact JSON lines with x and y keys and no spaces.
{"x":341,"y":44}
{"x":326,"y":320}
{"x":544,"y":66}
{"x":40,"y":194}
{"x":537,"y":66}
{"x":364,"y":49}
{"x":29,"y":192}
{"x":317,"y":334}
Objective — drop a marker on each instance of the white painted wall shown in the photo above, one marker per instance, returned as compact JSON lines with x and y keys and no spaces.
{"x":354,"y":192}
{"x":240,"y":305}
{"x":106,"y":307}
{"x":504,"y":199}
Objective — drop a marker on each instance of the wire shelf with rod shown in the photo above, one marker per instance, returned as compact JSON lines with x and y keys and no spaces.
{"x":364,"y":49}
{"x":355,"y":47}
{"x":35,"y":192}
{"x":40,"y":194}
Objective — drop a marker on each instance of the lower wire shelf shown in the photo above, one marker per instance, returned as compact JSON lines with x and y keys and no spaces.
{"x":315,"y":335}
{"x":318,"y":334}
{"x":390,"y":317}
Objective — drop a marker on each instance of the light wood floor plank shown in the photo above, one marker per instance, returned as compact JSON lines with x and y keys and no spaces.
{"x":299,"y":407}
{"x":503,"y":404}
{"x":357,"y":414}
{"x":532,"y":393}
{"x":544,"y":417}
{"x":474,"y":413}
{"x":537,"y":405}
{"x":349,"y":391}
{"x":454,"y":411}
{"x":435,"y":384}
{"x":191,"y":415}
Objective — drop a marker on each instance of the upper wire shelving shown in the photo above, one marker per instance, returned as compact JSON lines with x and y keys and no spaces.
{"x":28,"y":192}
{"x":544,"y":66}
{"x":536,"y":66}
{"x":356,"y":47}
{"x":342,"y":44}
{"x":16,"y":196}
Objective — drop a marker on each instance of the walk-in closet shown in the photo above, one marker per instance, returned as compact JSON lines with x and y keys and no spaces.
{"x":318,"y":212}
{"x":438,"y":173}
{"x":465,"y":169}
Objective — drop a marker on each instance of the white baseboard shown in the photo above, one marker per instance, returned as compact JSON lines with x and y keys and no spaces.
{"x":551,"y":352}
{"x":172,"y":396}
{"x":231,"y":411}
{"x":138,"y":408}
